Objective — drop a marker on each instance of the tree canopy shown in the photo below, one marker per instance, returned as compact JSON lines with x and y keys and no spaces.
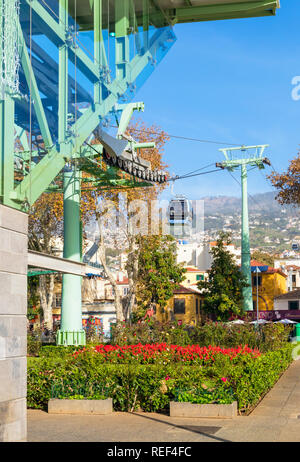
{"x":288,"y":183}
{"x":223,"y":289}
{"x":159,"y":273}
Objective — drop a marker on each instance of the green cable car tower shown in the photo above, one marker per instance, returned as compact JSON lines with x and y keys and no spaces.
{"x":244,"y":157}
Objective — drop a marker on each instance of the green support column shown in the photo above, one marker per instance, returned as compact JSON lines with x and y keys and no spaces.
{"x":246,"y":256}
{"x":7,"y":111}
{"x":71,"y":331}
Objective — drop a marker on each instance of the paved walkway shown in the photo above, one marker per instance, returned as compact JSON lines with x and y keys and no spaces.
{"x":275,"y":419}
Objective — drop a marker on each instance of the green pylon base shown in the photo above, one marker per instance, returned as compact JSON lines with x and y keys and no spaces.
{"x":69,"y":338}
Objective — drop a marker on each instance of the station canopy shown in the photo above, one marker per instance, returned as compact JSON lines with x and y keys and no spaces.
{"x":181,"y":11}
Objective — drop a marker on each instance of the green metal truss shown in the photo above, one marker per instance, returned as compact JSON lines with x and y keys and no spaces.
{"x":125,"y":19}
{"x":41,"y":171}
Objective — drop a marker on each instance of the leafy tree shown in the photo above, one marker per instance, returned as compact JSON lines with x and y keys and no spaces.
{"x":45,"y":229}
{"x":46,"y":222}
{"x":33,"y":297}
{"x":288,"y":183}
{"x":125,"y":240}
{"x":223,"y":290}
{"x":159,"y":273}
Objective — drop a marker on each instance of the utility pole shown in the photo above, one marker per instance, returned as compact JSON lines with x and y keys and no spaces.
{"x":250,"y":156}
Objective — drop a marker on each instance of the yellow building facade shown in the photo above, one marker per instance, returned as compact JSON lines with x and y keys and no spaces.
{"x":184,"y":306}
{"x":193,"y":275}
{"x":270,"y":284}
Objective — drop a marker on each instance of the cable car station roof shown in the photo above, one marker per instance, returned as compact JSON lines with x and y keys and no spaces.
{"x":179,"y":11}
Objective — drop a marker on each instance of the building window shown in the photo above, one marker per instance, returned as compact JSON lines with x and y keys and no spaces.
{"x":294,"y":305}
{"x":197,"y":310}
{"x":57,"y":301}
{"x":255,"y":282}
{"x":179,"y":306}
{"x":200,"y":277}
{"x":294,"y":278}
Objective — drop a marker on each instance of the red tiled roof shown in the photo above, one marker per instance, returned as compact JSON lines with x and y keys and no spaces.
{"x":125,"y":281}
{"x":270,"y":269}
{"x":184,"y":290}
{"x":195,"y":270}
{"x":292,"y":295}
{"x":295,"y":267}
{"x":257,"y":263}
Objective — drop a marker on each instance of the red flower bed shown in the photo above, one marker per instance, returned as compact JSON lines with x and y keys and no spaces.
{"x":152,"y":352}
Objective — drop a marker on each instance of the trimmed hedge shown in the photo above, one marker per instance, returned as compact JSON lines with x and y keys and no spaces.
{"x":265,"y":337}
{"x":151,"y":387}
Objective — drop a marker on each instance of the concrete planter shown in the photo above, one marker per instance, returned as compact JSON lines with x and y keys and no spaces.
{"x":219,"y":411}
{"x":80,"y":406}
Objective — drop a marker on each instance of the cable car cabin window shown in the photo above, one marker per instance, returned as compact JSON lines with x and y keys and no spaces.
{"x":255,"y":282}
{"x":179,"y":306}
{"x":294,"y":305}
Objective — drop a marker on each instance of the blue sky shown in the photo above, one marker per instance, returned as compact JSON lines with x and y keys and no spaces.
{"x":229,"y":81}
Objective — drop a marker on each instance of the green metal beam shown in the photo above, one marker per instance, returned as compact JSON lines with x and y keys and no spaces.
{"x":32,"y":85}
{"x":40,"y":273}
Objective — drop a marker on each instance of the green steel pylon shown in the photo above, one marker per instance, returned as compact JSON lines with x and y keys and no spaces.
{"x":71,"y":331}
{"x":252,"y":156}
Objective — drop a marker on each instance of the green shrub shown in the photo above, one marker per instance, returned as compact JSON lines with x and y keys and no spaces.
{"x":264,"y":337}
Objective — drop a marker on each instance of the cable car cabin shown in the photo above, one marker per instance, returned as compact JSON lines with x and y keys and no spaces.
{"x":295,"y":246}
{"x":180,"y":215}
{"x":180,"y":210}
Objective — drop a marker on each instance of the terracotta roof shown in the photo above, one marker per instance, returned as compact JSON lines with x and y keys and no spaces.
{"x":257,"y":263}
{"x":270,"y":269}
{"x":295,"y":267}
{"x":292,"y":295}
{"x":274,"y":270}
{"x":195,"y":270}
{"x":185,"y":290}
{"x":124,"y":282}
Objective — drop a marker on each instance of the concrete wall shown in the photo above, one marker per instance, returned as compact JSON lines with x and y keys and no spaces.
{"x":13,"y":307}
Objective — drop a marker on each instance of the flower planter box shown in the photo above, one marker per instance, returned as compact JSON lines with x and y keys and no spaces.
{"x":80,"y":406}
{"x":219,"y":411}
